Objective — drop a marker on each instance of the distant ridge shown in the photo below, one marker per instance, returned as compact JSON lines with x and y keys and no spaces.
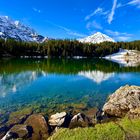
{"x":97,"y":38}
{"x":15,"y":30}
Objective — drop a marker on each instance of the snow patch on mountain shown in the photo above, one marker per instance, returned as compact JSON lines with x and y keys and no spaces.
{"x":127,"y":58}
{"x":16,"y":30}
{"x":97,"y":38}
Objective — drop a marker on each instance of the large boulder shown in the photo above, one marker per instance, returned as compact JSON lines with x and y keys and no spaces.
{"x":40,"y":127}
{"x":124,"y":100}
{"x":80,"y":120}
{"x":134,"y":113}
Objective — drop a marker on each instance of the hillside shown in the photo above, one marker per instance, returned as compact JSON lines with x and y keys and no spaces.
{"x":16,"y":30}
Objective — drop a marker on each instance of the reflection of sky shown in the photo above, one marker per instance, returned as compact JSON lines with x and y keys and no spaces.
{"x":127,"y":78}
{"x":32,"y":86}
{"x":11,"y":83}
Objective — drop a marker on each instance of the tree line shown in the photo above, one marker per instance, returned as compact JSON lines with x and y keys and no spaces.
{"x":62,"y":48}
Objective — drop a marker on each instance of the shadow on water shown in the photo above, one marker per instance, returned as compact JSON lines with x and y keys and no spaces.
{"x":62,"y":66}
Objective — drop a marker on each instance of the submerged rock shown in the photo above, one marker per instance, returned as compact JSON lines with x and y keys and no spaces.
{"x":15,"y":118}
{"x":18,"y":131}
{"x":80,"y":120}
{"x":124,"y":100}
{"x":40,"y":127}
{"x":19,"y":117}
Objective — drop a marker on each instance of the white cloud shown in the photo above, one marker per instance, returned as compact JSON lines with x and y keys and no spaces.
{"x":119,"y":36}
{"x":70,"y":32}
{"x":67,"y":30}
{"x":135,"y":3}
{"x":99,"y":11}
{"x":93,"y":24}
{"x":36,"y":10}
{"x":119,"y":5}
{"x":112,"y":13}
{"x":123,"y":38}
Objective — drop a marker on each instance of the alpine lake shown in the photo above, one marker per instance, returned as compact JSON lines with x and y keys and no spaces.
{"x":48,"y":86}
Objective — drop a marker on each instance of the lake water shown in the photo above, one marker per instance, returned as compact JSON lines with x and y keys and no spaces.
{"x":57,"y":84}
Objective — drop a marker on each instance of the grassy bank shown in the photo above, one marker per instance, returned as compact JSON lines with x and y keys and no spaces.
{"x":124,"y":129}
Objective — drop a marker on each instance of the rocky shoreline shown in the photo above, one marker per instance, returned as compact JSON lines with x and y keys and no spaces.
{"x":125,"y":58}
{"x":125,"y":102}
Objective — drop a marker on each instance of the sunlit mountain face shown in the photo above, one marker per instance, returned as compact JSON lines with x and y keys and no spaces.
{"x":78,"y":19}
{"x":10,"y":29}
{"x":97,"y":38}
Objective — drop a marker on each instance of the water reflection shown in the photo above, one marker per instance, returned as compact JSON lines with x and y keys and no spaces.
{"x":96,"y":76}
{"x":11,"y":83}
{"x":26,"y":82}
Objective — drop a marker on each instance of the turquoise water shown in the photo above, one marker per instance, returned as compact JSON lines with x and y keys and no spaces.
{"x":51,"y":82}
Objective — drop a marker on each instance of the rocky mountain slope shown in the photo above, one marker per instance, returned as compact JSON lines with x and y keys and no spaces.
{"x":16,"y":30}
{"x":97,"y":38}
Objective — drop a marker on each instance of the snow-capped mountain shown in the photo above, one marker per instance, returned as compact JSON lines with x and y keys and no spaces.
{"x":97,"y":38}
{"x":14,"y":29}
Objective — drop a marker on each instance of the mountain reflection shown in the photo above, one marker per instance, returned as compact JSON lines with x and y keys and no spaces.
{"x":16,"y":74}
{"x":96,"y":76}
{"x":11,"y":83}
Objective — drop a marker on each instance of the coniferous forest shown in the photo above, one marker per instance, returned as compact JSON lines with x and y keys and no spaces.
{"x":62,"y":48}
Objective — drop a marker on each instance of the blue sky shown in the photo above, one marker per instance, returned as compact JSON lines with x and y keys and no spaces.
{"x":119,"y":19}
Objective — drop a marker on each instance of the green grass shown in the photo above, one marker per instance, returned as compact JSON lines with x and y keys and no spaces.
{"x":131,"y":127}
{"x":122,"y":130}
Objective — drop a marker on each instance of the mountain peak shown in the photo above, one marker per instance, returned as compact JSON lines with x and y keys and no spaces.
{"x":15,"y":30}
{"x":98,"y":33}
{"x":97,"y":38}
{"x":17,"y":23}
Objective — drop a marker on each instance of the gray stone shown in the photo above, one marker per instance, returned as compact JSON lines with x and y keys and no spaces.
{"x":121,"y":102}
{"x":57,"y":119}
{"x":80,"y":120}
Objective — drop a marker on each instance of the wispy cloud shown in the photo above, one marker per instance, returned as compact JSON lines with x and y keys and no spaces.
{"x":67,"y":30}
{"x":93,"y":24}
{"x":112,"y":13}
{"x":98,"y":11}
{"x":70,"y":32}
{"x":130,"y":3}
{"x":135,"y":3}
{"x":36,"y":10}
{"x":119,"y":5}
{"x":119,"y":36}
